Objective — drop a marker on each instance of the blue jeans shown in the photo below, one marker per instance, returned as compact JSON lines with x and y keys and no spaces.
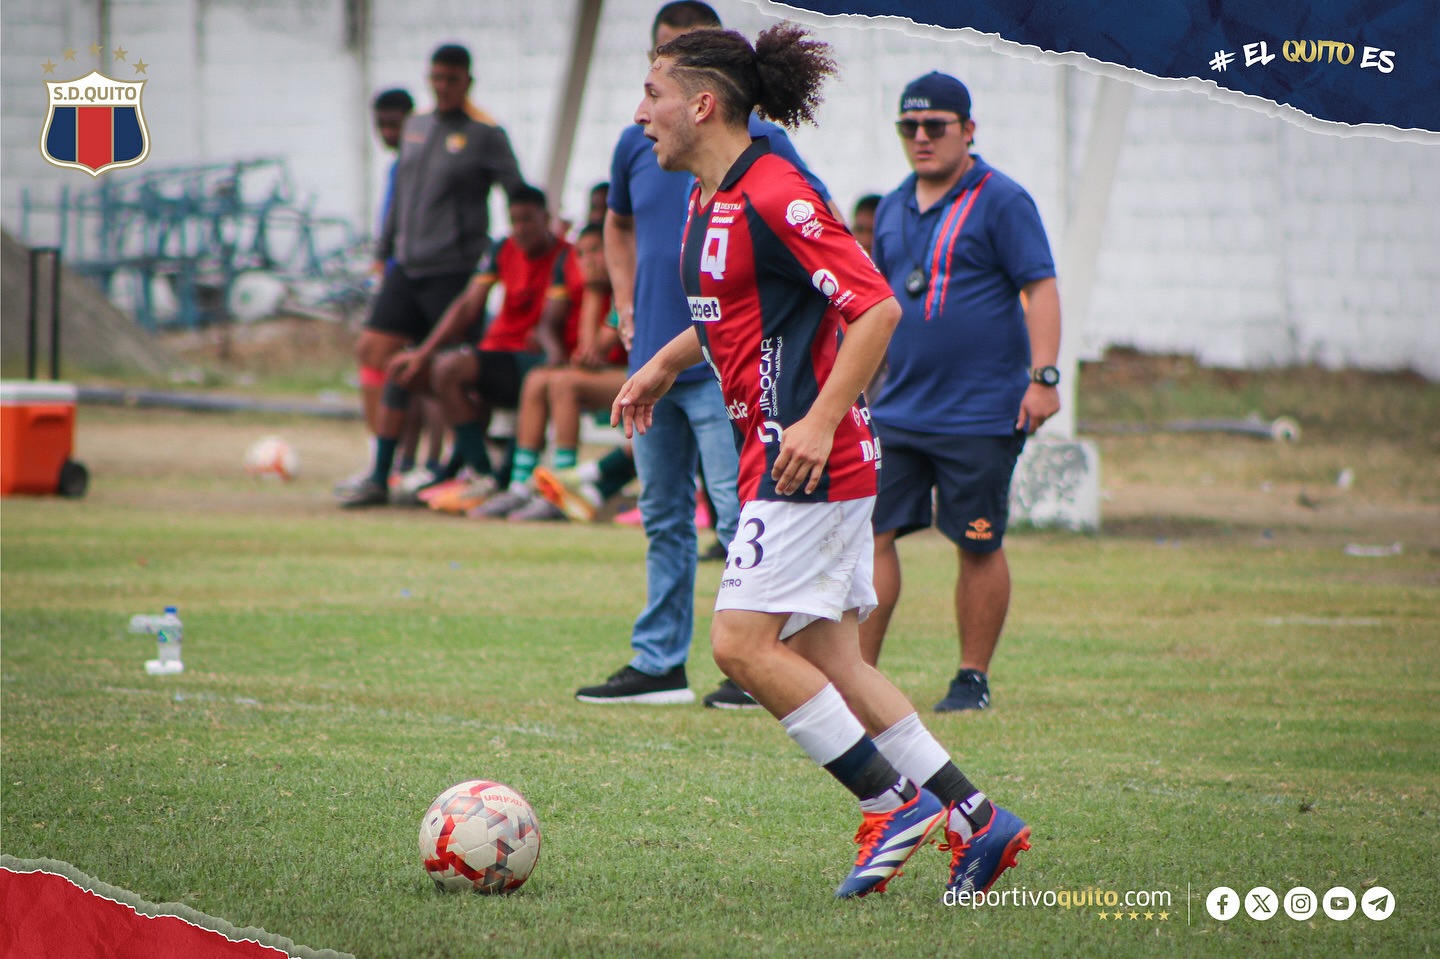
{"x":690,"y":424}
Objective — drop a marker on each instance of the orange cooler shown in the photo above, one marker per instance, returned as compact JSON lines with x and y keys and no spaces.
{"x":37,"y":437}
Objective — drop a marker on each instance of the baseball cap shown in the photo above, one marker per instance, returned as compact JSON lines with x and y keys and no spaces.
{"x":936,"y":91}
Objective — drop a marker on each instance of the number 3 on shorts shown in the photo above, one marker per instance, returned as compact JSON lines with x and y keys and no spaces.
{"x":759,"y":530}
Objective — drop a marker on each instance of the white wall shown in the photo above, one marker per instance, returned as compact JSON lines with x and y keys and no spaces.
{"x":1238,"y":237}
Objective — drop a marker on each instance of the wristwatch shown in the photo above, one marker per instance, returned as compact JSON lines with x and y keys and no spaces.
{"x":1045,"y":376}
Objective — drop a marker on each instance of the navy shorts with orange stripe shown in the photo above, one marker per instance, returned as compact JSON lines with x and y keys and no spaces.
{"x":969,"y":476}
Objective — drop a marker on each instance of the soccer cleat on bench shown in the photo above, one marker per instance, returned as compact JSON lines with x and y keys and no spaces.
{"x":887,"y":840}
{"x":975,"y":865}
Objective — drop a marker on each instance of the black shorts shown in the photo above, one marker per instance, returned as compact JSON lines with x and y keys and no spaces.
{"x":969,"y":474}
{"x":501,"y":374}
{"x":411,"y":306}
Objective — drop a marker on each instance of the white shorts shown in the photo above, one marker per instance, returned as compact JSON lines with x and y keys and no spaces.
{"x":811,"y":560}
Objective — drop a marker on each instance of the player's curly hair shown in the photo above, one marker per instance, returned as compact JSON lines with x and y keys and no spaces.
{"x":781,"y":75}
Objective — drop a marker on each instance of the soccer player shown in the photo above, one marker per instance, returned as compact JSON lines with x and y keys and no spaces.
{"x":770,"y":275}
{"x":971,"y":368}
{"x":471,"y":381}
{"x":436,"y":230}
{"x":642,"y":229}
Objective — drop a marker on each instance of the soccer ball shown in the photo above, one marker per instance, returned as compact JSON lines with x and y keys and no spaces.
{"x":272,"y":456}
{"x":479,"y":836}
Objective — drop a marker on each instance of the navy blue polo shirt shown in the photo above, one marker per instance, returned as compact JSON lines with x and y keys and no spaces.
{"x":657,"y":199}
{"x":959,"y":361}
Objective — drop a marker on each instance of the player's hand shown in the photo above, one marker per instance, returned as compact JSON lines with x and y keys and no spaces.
{"x":804,"y":451}
{"x":634,"y":406}
{"x":405,"y":366}
{"x":1040,"y":403}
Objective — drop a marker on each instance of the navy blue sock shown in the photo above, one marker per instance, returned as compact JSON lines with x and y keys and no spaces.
{"x":866,"y":773}
{"x":384,"y":459}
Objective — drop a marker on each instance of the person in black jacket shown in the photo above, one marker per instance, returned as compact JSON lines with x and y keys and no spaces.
{"x":436,"y":230}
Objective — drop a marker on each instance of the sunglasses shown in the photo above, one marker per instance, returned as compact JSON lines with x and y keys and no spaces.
{"x":934,"y":129}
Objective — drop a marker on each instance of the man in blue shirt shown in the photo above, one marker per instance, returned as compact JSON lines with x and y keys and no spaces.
{"x":971,"y":366}
{"x":642,"y":248}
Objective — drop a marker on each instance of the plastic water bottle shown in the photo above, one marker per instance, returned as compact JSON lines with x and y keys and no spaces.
{"x":169,"y":639}
{"x":143,"y":623}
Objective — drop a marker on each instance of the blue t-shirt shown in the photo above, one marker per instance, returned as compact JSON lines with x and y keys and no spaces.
{"x":959,"y":361}
{"x":657,"y":199}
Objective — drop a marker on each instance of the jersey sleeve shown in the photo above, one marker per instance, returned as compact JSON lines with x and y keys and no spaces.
{"x":566,"y":280}
{"x":618,"y":198}
{"x":489,"y":266}
{"x":825,"y":254}
{"x":1020,"y":242}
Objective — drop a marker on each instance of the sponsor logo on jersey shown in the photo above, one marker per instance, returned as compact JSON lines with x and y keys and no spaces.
{"x":704,"y":309}
{"x":732,"y":582}
{"x":799,"y":211}
{"x":825,"y":282}
{"x":844,"y":298}
{"x":738,"y":410}
{"x":770,"y":432}
{"x":714,"y":252}
{"x":812,"y":229}
{"x":870,"y":451}
{"x":769,"y":373}
{"x":720,"y":206}
{"x":980,"y":529}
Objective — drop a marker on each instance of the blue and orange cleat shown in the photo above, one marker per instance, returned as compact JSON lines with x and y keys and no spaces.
{"x":887,"y":840}
{"x":975,"y":865}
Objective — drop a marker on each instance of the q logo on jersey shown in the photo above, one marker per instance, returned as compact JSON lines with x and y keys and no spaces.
{"x":798,"y":212}
{"x":770,"y":432}
{"x":825,"y":282}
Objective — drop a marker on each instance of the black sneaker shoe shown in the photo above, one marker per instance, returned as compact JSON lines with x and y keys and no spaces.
{"x":970,"y":689}
{"x":629,"y":685}
{"x":730,"y":696}
{"x":367,"y":493}
{"x":715,"y":552}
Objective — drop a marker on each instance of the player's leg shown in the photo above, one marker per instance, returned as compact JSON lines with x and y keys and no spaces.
{"x":777,"y":564}
{"x":973,"y":493}
{"x":902,"y":506}
{"x":665,"y":456}
{"x":502,"y":382}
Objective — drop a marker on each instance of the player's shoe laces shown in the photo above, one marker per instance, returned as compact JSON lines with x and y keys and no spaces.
{"x":970,"y":689}
{"x":887,"y":840}
{"x":975,"y":865}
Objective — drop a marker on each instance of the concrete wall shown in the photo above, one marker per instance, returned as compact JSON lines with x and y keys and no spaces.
{"x":1235,"y":236}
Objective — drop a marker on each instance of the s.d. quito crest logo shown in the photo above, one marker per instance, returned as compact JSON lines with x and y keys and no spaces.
{"x":95,"y":123}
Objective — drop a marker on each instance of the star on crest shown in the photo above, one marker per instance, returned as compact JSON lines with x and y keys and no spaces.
{"x":121,"y":53}
{"x":47,"y":66}
{"x":140,"y":66}
{"x":95,"y":49}
{"x":69,"y":53}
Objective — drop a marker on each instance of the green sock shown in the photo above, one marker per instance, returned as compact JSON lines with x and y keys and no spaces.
{"x":566,"y":458}
{"x":616,"y":469}
{"x":470,"y":444}
{"x":522,"y":465}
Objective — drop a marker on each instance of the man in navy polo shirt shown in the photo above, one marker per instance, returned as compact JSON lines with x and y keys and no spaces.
{"x":971,"y":366}
{"x":642,"y":248}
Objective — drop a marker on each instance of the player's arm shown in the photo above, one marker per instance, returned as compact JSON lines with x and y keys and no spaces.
{"x":805,"y":447}
{"x":588,"y":342}
{"x":634,"y":405}
{"x":620,"y":260}
{"x":459,"y":316}
{"x":550,"y":330}
{"x":1042,"y":320}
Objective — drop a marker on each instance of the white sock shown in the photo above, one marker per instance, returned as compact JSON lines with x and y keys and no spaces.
{"x":588,"y":472}
{"x":912,"y":750}
{"x":824,"y":726}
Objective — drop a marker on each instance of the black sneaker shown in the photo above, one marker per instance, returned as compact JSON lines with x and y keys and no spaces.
{"x":970,"y":689}
{"x":716,"y":551}
{"x":629,"y":685}
{"x":366,"y":493}
{"x":730,"y":696}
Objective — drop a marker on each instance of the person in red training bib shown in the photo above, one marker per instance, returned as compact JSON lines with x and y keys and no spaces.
{"x":771,"y":278}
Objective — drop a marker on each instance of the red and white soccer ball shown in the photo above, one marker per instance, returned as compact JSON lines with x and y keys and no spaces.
{"x":272,"y":456}
{"x":479,"y":836}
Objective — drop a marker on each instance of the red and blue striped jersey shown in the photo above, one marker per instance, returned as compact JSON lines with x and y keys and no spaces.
{"x":770,"y":276}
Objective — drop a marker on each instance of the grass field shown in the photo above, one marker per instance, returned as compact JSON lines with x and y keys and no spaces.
{"x":1209,"y":693}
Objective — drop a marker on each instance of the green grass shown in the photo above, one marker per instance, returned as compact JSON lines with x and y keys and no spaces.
{"x":1169,"y":716}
